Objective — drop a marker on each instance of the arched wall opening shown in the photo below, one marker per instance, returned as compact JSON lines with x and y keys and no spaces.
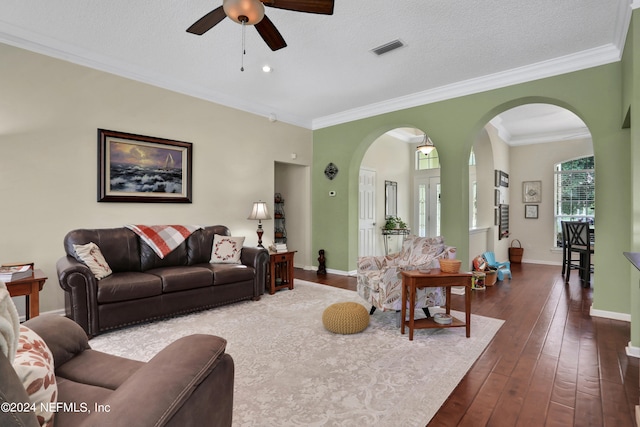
{"x":453,"y":124}
{"x":538,"y":136}
{"x":492,"y":153}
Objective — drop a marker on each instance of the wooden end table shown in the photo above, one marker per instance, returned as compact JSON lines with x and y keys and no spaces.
{"x":280,"y":270}
{"x":30,"y":288}
{"x":411,"y":280}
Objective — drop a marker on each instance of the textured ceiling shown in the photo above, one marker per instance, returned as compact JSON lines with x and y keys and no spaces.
{"x":327,"y":74}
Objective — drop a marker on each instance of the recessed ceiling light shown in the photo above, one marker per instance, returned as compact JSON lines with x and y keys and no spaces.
{"x":266,"y":69}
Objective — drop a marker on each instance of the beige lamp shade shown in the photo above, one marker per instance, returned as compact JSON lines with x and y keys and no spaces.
{"x":259,"y":211}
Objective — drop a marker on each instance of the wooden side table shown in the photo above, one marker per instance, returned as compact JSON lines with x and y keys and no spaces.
{"x":413,"y":279}
{"x":280,"y":271}
{"x":30,"y":288}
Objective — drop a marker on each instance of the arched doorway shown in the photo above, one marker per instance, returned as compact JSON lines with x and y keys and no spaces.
{"x":527,"y":143}
{"x":387,"y":164}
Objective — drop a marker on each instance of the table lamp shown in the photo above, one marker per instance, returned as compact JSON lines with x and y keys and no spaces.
{"x":259,"y":212}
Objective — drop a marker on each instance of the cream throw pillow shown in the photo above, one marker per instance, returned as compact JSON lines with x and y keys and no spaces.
{"x":226,"y":250}
{"x":91,"y":255}
{"x":34,"y":366}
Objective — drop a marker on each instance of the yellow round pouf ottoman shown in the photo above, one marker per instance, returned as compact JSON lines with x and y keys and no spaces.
{"x":345,"y":318}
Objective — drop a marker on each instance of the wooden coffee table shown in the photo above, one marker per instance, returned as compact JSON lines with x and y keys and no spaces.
{"x":411,"y":280}
{"x":30,"y":288}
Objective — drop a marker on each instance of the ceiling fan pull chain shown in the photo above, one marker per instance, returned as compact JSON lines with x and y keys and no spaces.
{"x":243,"y":49}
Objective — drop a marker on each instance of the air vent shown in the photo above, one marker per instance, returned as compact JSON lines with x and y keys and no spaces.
{"x":387,"y":47}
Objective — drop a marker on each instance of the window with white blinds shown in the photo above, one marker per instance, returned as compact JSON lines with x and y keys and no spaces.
{"x":575,"y":191}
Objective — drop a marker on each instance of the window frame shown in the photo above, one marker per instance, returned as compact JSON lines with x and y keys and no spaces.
{"x":559,"y":200}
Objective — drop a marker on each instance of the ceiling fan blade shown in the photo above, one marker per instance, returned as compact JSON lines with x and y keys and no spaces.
{"x":324,"y":7}
{"x":207,"y":22}
{"x":270,"y":34}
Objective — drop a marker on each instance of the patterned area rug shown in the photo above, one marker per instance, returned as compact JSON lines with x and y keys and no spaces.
{"x":290,"y":371}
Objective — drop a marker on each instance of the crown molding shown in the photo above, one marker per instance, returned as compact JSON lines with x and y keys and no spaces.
{"x":38,"y":43}
{"x":575,"y":62}
{"x":15,"y":36}
{"x":566,"y":64}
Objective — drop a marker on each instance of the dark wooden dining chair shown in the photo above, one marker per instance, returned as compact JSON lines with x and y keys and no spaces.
{"x":565,"y":248}
{"x":578,"y":242}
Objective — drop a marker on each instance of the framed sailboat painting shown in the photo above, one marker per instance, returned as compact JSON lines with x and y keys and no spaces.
{"x":137,"y":168}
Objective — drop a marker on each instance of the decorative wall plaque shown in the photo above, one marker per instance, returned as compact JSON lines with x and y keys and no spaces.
{"x":531,"y":191}
{"x":331,"y":171}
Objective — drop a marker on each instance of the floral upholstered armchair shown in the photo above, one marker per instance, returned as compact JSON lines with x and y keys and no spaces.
{"x":380,"y":281}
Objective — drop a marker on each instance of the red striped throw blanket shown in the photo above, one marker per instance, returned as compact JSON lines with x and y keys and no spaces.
{"x":163,"y":238}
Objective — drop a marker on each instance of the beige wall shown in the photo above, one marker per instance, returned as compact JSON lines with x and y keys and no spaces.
{"x":49,"y":113}
{"x":536,"y":163}
{"x":391,"y":159}
{"x":293,"y":182}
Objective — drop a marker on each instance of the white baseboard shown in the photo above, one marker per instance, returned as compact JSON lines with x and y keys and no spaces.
{"x":330,"y":270}
{"x":342,"y":272}
{"x":457,"y":290}
{"x":625,"y":317}
{"x":632,"y":351}
{"x":535,"y":261}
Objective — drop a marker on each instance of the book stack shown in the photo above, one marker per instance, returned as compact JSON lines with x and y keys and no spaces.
{"x":13,"y":272}
{"x":280,"y":247}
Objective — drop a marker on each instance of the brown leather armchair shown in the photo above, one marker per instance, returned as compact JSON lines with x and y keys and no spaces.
{"x":188,"y":383}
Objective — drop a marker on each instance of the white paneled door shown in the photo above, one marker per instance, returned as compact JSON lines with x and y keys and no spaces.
{"x":367,"y":234}
{"x":427,"y":206}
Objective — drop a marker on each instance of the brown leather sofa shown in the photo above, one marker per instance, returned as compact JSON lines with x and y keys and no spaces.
{"x":145,"y":287}
{"x":188,"y":383}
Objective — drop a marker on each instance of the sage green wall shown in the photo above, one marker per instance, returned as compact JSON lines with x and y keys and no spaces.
{"x":593,"y":94}
{"x":631,"y":100}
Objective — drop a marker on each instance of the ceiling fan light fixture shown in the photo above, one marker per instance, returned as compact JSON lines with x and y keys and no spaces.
{"x":248,"y":11}
{"x":426,"y":146}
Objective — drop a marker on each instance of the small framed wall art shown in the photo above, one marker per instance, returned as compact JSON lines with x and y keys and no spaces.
{"x":501,"y":178}
{"x":531,"y":191}
{"x":531,"y":211}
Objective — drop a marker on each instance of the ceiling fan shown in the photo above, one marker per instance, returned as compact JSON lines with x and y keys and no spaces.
{"x":251,"y":12}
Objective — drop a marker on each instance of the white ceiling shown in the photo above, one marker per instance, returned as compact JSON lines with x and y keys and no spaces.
{"x":327,"y":74}
{"x":539,"y":123}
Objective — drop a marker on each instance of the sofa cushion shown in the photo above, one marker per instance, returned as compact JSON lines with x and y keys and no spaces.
{"x":226,"y":249}
{"x":128,"y":286}
{"x":114,"y":370}
{"x":163,"y":239}
{"x":91,"y":255}
{"x":230,"y":273}
{"x":181,"y":278}
{"x":150,"y":260}
{"x":34,"y":365}
{"x":119,"y":246}
{"x":73,"y":392}
{"x":199,"y":244}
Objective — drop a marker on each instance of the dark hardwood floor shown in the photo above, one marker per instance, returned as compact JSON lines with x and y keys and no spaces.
{"x":551,"y":363}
